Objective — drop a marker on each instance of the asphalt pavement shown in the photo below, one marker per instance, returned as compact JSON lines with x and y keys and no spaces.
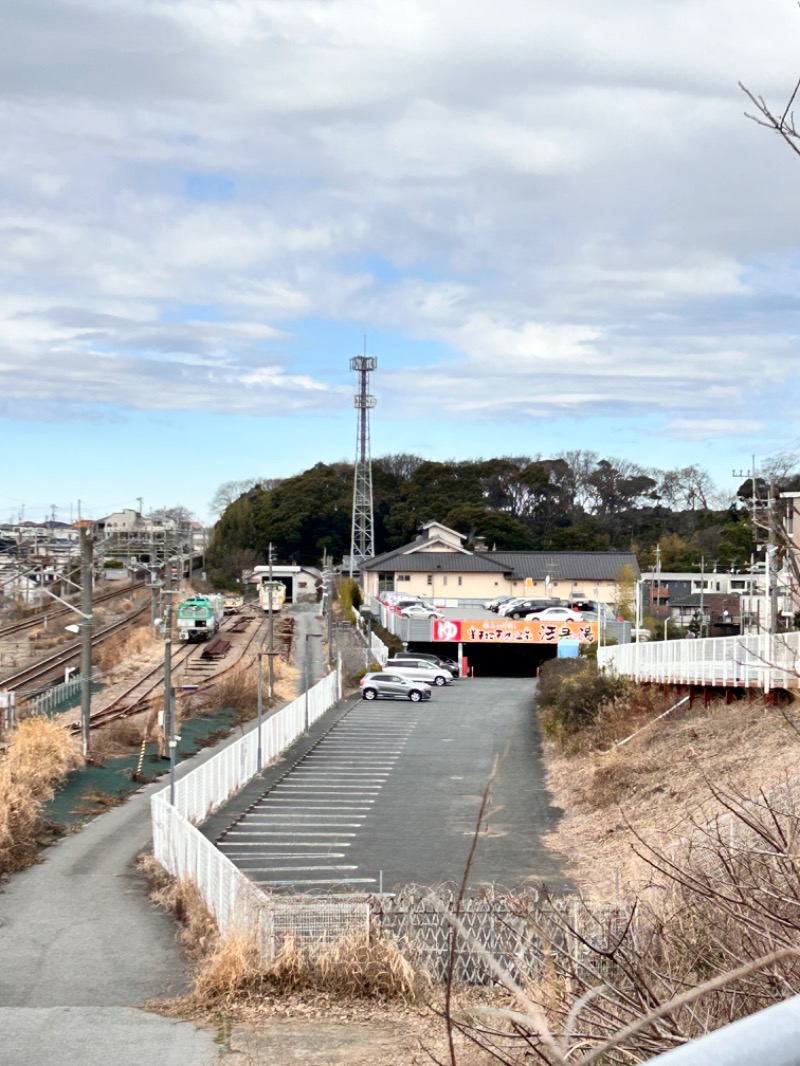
{"x":82,"y":948}
{"x":391,"y":796}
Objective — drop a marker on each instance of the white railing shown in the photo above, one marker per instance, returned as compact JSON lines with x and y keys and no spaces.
{"x":183,"y":850}
{"x":768,"y":1037}
{"x":45,"y":702}
{"x":767,"y":661}
{"x":378,"y":650}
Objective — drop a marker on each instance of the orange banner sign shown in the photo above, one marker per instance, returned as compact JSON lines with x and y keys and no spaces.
{"x":511,"y":631}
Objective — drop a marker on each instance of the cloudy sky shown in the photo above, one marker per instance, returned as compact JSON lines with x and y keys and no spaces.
{"x":552,"y":222}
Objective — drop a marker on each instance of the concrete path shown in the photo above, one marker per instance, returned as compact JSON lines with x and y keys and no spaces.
{"x":82,"y":948}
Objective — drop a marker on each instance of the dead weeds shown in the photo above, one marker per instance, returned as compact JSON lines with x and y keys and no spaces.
{"x":39,"y":755}
{"x":659,"y":783}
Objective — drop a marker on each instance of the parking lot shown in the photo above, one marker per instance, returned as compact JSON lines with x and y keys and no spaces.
{"x":390,"y":795}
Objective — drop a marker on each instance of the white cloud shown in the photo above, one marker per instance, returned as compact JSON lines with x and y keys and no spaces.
{"x":565,"y":204}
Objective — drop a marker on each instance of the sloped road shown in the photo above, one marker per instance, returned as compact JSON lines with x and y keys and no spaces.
{"x":82,"y":947}
{"x":391,"y":795}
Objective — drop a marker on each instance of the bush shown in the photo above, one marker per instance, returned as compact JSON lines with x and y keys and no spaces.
{"x":350,"y":598}
{"x":572,"y":693}
{"x":39,"y":756}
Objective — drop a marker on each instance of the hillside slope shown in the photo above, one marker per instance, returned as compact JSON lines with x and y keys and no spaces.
{"x":660,"y":782}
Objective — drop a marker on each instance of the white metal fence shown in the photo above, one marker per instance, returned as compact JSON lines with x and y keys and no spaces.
{"x":377,"y":649}
{"x":765,"y":662}
{"x":183,"y":850}
{"x":45,"y":702}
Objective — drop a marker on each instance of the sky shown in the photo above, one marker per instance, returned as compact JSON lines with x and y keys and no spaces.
{"x":552,"y":224}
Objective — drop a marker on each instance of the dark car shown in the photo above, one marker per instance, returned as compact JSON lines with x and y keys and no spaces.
{"x":437,"y":660}
{"x":527,"y":606}
{"x":492,"y":605}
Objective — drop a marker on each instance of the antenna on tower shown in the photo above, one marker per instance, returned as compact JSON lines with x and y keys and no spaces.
{"x":362,"y":542}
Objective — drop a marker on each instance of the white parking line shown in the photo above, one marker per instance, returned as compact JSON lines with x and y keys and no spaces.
{"x":299,"y":869}
{"x":267,"y":833}
{"x":283,"y":844}
{"x":325,"y":881}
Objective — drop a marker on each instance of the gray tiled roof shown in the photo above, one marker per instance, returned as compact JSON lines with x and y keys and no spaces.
{"x":378,"y":559}
{"x":566,"y":566}
{"x":426,"y":562}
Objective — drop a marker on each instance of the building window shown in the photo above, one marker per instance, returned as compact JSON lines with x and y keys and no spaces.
{"x":444,"y":580}
{"x":459,"y":579}
{"x":430,"y":579}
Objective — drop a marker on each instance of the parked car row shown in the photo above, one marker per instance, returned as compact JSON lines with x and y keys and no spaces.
{"x":409,"y":676}
{"x":409,"y":606}
{"x":542,"y":610}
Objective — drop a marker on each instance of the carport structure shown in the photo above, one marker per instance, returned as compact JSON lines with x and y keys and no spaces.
{"x":488,"y":646}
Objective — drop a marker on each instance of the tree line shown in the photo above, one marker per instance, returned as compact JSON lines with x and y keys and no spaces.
{"x":576,"y":501}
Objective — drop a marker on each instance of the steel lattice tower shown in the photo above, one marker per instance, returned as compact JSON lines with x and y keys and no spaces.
{"x":362,"y":542}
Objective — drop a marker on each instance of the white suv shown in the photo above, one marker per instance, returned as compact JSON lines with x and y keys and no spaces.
{"x":420,"y":670}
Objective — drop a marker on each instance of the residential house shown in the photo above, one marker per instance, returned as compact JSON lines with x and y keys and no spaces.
{"x":437,"y":565}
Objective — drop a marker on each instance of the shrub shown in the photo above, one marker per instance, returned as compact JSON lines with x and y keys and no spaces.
{"x":39,"y":756}
{"x":350,"y":598}
{"x":572,"y":692}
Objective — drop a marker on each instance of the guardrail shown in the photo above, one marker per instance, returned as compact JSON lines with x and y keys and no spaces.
{"x":766,"y":661}
{"x":769,"y":1037}
{"x":183,"y":850}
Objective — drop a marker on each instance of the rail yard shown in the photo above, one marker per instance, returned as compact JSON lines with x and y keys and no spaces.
{"x":134,"y":685}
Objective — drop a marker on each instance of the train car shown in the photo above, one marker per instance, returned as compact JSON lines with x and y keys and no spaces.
{"x":271,"y":593}
{"x":199,"y":617}
{"x":232,"y":603}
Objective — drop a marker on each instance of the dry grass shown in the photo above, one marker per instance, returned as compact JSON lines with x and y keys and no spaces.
{"x":117,"y":739}
{"x":123,"y":646}
{"x":237,"y":690}
{"x":657,"y":784}
{"x":39,"y":756}
{"x":231,"y":973}
{"x":198,"y":929}
{"x":352,"y":968}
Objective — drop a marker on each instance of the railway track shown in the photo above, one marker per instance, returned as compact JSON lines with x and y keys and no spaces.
{"x":42,"y":669}
{"x":42,"y":617}
{"x":137,"y":698}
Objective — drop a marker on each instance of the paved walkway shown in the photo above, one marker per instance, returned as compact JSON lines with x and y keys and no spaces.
{"x":82,"y":948}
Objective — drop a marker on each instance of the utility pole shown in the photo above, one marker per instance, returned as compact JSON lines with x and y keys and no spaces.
{"x":702,"y":593}
{"x":772,"y":559}
{"x":260,"y":709}
{"x":87,"y":551}
{"x":327,"y":576}
{"x":754,"y":523}
{"x":270,"y":631}
{"x":168,"y":696}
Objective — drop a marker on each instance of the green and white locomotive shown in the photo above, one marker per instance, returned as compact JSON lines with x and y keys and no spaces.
{"x":199,"y":617}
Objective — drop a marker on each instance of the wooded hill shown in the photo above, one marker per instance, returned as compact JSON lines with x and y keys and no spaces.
{"x":574,"y":502}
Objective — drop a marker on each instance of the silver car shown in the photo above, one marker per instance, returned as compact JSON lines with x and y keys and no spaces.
{"x":420,"y":670}
{"x":389,"y":686}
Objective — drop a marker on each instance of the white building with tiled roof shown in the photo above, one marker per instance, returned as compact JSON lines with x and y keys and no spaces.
{"x":438,"y":566}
